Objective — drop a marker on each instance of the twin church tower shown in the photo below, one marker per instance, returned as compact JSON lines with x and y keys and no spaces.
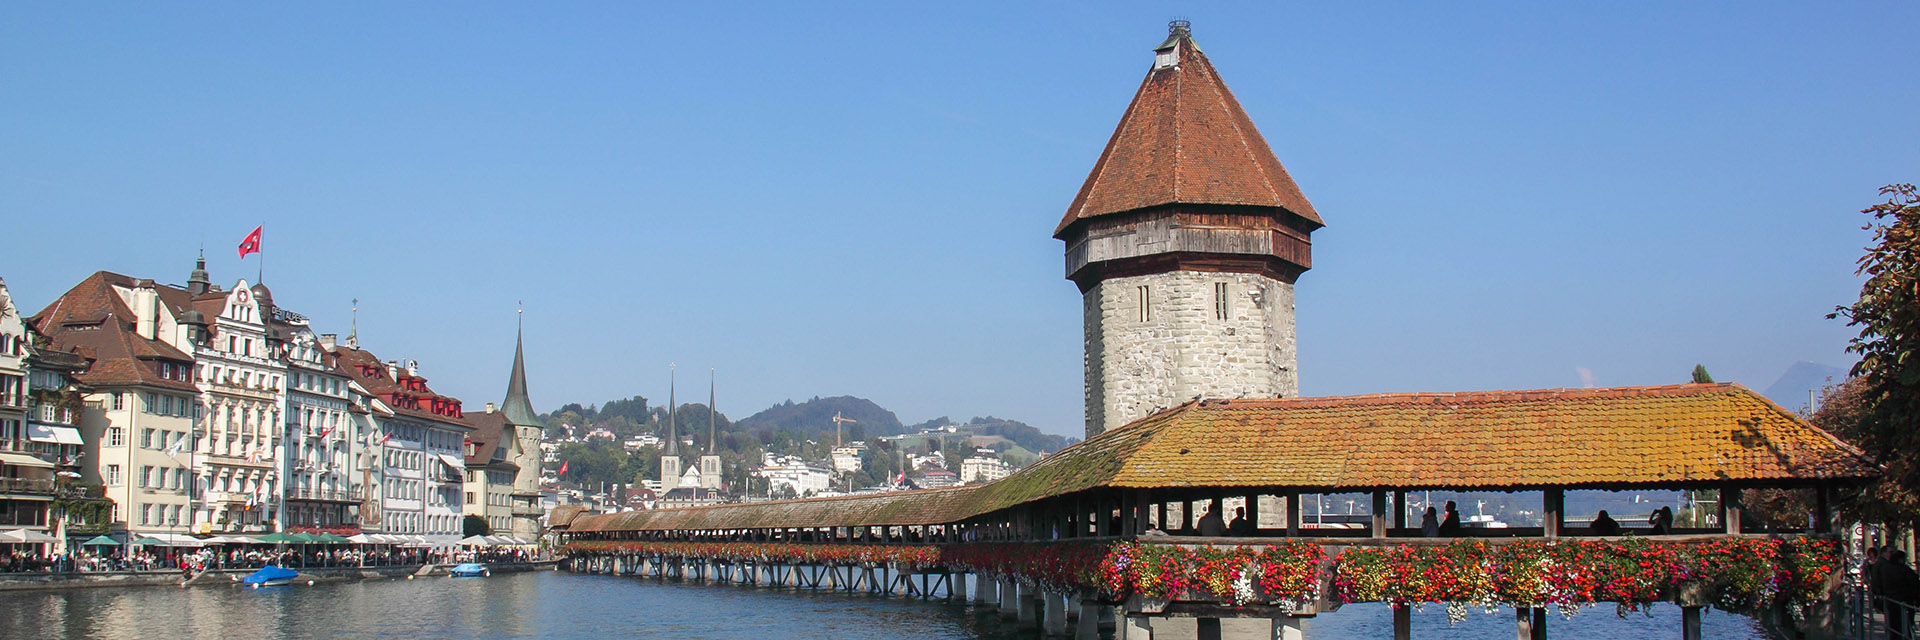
{"x":1185,"y":242}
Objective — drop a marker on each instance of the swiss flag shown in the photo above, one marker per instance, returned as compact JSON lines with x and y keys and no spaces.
{"x":563,"y":470}
{"x":252,"y":243}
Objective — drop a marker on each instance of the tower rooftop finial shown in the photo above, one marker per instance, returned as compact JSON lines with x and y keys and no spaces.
{"x":518,"y":407}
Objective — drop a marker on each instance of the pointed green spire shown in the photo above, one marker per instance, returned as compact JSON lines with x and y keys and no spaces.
{"x":519,"y":409}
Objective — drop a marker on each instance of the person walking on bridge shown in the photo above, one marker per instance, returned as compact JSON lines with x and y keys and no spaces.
{"x":1212,"y":525}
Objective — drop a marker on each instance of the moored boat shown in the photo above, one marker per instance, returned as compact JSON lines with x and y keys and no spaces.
{"x":270,"y":576}
{"x":470,"y":570}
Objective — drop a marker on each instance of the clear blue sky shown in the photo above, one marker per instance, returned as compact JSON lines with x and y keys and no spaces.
{"x":825,"y":199}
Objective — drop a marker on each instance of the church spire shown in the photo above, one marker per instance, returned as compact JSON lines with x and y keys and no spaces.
{"x":673,"y":438}
{"x":710,"y":413}
{"x":198,"y":282}
{"x":517,"y":407}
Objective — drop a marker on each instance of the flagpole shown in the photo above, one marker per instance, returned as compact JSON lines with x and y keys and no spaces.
{"x":261,"y":275}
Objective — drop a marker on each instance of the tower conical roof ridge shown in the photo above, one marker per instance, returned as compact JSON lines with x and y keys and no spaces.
{"x":1185,"y":140}
{"x":517,"y":407}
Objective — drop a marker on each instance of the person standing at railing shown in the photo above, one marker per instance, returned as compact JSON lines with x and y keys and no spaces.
{"x":1901,"y":588}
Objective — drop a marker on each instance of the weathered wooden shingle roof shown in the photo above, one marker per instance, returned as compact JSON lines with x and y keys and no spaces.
{"x":1667,"y":436}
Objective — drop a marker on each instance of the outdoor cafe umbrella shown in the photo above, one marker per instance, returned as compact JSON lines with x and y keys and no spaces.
{"x":101,"y":541}
{"x":280,"y":538}
{"x":148,"y":542}
{"x":26,"y":536}
{"x":475,"y":541}
{"x":328,"y":538}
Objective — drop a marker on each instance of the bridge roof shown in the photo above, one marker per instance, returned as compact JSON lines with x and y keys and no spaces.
{"x":1669,"y":436}
{"x":1595,"y":438}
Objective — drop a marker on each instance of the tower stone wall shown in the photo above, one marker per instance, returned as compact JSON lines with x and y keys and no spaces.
{"x":1183,"y":349}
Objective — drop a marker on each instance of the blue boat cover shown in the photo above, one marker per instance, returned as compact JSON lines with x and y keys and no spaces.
{"x":270,"y":573}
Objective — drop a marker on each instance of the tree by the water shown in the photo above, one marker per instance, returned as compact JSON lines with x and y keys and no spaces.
{"x":1881,"y":415}
{"x":473,"y":525}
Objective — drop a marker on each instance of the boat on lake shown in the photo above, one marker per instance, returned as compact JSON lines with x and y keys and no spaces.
{"x":470,"y":570}
{"x":270,"y":576}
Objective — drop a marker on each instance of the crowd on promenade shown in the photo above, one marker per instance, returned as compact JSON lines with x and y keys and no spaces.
{"x":193,"y":561}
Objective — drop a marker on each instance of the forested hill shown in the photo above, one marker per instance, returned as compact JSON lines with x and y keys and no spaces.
{"x":816,"y":416}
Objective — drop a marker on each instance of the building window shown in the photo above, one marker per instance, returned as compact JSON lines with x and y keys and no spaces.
{"x":116,"y":437}
{"x":119,"y":401}
{"x":113,"y":475}
{"x":1146,"y":310}
{"x":1220,"y":310}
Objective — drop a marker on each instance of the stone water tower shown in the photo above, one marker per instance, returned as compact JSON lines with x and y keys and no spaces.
{"x":1185,"y":241}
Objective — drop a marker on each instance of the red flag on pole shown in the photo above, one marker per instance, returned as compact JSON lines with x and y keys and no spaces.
{"x":252,"y":243}
{"x":563,"y":470}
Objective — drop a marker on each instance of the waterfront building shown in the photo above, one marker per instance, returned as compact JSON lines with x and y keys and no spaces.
{"x":54,"y":403}
{"x":326,"y":469}
{"x":140,"y":400}
{"x":241,"y":375}
{"x":491,"y":474}
{"x":26,"y":480}
{"x":422,"y":436}
{"x":368,"y":414}
{"x":983,"y":466}
{"x":1185,"y":241}
{"x":520,"y":438}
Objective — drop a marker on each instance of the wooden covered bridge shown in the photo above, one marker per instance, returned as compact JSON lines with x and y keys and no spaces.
{"x":1109,"y":527}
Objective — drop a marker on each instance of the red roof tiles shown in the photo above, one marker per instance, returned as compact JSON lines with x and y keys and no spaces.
{"x":1185,"y":140}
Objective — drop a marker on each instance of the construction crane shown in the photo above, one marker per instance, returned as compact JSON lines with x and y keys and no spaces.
{"x":837,"y":419}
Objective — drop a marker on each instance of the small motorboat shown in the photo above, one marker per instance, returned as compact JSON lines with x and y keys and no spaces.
{"x":270,"y":576}
{"x":470,"y":570}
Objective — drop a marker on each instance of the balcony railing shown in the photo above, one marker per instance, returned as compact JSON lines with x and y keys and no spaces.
{"x":337,"y":495}
{"x":38,"y":486}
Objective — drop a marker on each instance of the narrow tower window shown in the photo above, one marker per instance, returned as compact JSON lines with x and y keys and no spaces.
{"x":1145,"y":307}
{"x":1220,"y":300}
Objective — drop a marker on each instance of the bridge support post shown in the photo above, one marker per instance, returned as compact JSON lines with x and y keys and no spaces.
{"x":1134,"y":627}
{"x":1055,"y":617}
{"x":1690,"y":623}
{"x":1030,"y":604}
{"x":1088,"y":626}
{"x":1402,"y":622}
{"x":1289,"y":628}
{"x":1009,"y":604}
{"x":1206,"y":628}
{"x":1531,"y":623}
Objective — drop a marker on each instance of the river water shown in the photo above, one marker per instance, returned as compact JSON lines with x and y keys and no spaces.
{"x":550,"y":605}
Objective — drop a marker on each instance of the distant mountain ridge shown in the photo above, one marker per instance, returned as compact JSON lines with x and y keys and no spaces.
{"x":1791,"y":389}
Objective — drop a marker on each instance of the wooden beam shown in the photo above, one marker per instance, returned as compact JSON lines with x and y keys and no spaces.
{"x":1730,"y":508}
{"x":1293,"y":513}
{"x":1399,"y":509}
{"x":1554,"y":504}
{"x":1823,"y":508}
{"x":1379,"y":515}
{"x":1253,"y":513}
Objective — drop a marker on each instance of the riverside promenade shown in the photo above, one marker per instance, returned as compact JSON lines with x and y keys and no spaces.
{"x":33,"y":581}
{"x":1108,"y":531}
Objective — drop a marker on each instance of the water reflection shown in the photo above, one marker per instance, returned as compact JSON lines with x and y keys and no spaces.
{"x":566,"y":606}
